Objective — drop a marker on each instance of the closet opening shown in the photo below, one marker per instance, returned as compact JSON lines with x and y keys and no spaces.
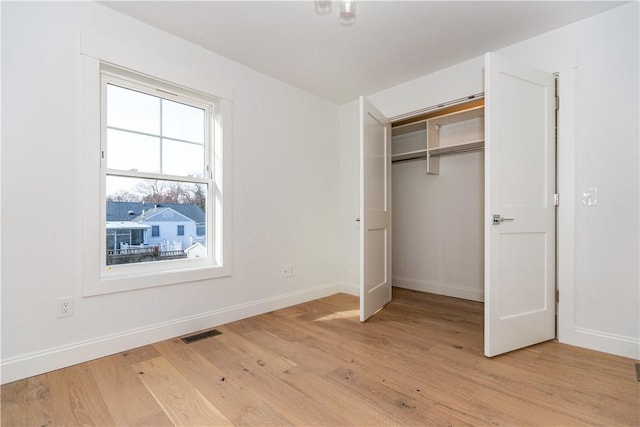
{"x":438,"y":200}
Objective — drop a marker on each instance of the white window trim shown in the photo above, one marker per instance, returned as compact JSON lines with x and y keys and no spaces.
{"x":123,"y":78}
{"x":94,"y":279}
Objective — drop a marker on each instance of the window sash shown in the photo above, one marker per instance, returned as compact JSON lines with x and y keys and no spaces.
{"x":207,"y":168}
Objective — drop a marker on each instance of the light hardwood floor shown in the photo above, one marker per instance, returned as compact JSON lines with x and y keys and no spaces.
{"x":418,"y":362}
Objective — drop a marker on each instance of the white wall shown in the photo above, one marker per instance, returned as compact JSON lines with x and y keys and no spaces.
{"x":438,"y":231}
{"x":600,"y":54}
{"x":285,"y":205}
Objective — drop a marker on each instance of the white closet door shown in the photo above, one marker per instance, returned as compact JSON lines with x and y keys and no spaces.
{"x":519,"y":189}
{"x":375,"y":210}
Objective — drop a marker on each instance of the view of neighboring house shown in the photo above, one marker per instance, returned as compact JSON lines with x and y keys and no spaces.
{"x":138,"y":232}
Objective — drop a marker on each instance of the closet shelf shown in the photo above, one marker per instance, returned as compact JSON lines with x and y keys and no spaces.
{"x":408,"y":128}
{"x":456,"y":148}
{"x":459,"y":129}
{"x":409,"y":155}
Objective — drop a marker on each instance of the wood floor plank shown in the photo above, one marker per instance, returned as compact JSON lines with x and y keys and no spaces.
{"x":234,"y":402}
{"x":26,"y":403}
{"x":405,"y":382}
{"x":594,"y":391}
{"x":297,"y":352}
{"x":261,"y":415}
{"x":404,"y":403}
{"x":76,"y":398}
{"x":125,"y":396}
{"x":533,"y":389}
{"x":180,"y":400}
{"x":256,"y":378}
{"x":358,"y":409}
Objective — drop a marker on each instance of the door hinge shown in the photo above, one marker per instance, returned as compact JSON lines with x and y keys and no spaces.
{"x":557,"y":295}
{"x":556,"y":199}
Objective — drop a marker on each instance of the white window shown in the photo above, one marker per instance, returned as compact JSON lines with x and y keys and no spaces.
{"x":156,"y":149}
{"x":161,"y":154}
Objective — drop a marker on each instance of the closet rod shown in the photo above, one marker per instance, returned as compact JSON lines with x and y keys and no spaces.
{"x":404,"y":159}
{"x":479,"y":95}
{"x":416,"y":156}
{"x":459,"y":151}
{"x":424,"y":156}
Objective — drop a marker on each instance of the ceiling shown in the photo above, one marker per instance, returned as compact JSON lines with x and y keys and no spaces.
{"x":391,"y":42}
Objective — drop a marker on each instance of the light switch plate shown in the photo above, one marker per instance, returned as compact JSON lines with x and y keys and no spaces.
{"x":590,"y":197}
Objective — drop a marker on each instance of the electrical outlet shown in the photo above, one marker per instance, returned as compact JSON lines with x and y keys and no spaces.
{"x":65,"y":307}
{"x":288,"y":271}
{"x":590,"y":196}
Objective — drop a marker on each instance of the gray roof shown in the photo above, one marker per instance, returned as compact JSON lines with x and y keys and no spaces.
{"x":128,"y":211}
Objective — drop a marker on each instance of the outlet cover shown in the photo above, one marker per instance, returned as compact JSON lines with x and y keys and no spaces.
{"x":65,"y":307}
{"x":590,"y":197}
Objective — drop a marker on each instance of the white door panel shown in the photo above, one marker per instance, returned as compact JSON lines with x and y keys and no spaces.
{"x":520,"y":187}
{"x":375,"y":210}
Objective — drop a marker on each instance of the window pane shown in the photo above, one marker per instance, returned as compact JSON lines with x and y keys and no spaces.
{"x":182,"y":122}
{"x":154,"y":220}
{"x":182,"y":158}
{"x":128,"y":109}
{"x":132,"y":151}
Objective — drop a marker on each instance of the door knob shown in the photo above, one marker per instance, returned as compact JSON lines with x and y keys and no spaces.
{"x":498,"y":219}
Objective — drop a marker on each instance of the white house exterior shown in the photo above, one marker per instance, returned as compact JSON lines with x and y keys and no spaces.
{"x":196,"y":251}
{"x":140,"y":229}
{"x":168,"y":227}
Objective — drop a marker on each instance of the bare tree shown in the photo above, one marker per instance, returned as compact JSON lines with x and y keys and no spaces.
{"x":158,"y":191}
{"x":123,"y":196}
{"x":200,"y":195}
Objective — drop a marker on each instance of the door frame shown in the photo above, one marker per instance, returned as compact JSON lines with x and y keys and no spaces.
{"x":565,"y":214}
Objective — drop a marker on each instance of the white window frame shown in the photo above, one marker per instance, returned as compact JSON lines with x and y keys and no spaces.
{"x":98,"y":278}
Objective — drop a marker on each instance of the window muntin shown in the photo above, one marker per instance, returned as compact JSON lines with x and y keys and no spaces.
{"x":133,"y":152}
{"x":156,"y":151}
{"x":133,"y":110}
{"x":168,"y":138}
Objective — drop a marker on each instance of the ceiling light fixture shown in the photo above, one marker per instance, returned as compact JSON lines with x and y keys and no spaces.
{"x":323,"y":7}
{"x":347,"y":9}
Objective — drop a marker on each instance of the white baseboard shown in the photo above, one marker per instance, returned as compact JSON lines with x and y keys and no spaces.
{"x":605,"y":342}
{"x":28,"y":365}
{"x":350,"y":288}
{"x":439,"y":288}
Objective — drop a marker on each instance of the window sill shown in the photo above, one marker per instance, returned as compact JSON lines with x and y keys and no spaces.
{"x":111,"y":283}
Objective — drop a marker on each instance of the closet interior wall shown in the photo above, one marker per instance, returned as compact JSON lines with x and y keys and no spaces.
{"x":438,"y":234}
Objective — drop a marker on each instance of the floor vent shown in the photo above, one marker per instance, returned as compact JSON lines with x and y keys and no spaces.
{"x":638,"y":372}
{"x":200,"y":336}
